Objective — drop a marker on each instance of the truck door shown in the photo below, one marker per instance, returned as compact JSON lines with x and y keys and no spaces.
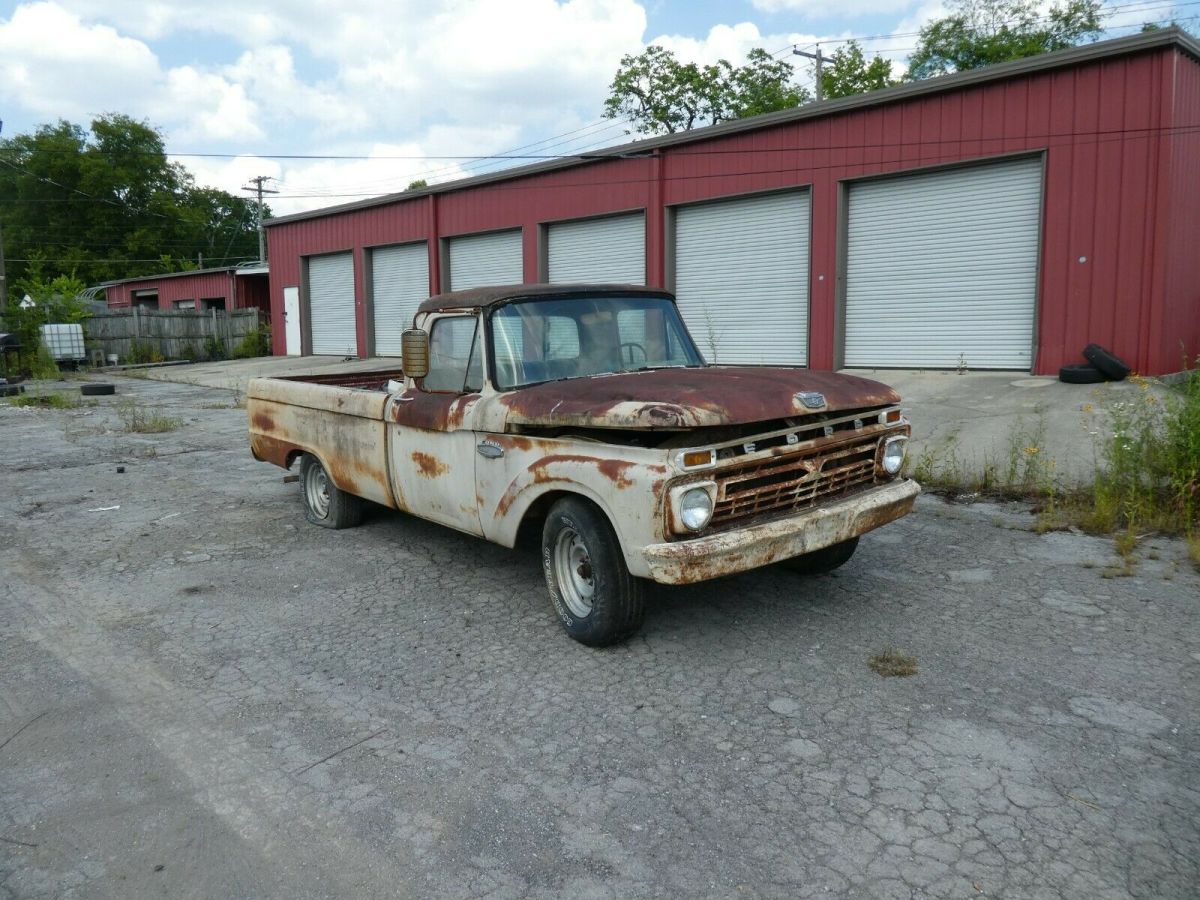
{"x":432,"y":445}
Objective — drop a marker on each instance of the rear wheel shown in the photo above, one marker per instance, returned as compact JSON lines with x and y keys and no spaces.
{"x":597,"y":601}
{"x":324,"y":503}
{"x":824,"y":560}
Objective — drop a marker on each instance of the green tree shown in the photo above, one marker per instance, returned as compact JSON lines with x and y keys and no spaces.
{"x":417,"y":184}
{"x":983,"y":32}
{"x":849,"y":73}
{"x":764,"y":84}
{"x":107,"y":203}
{"x":659,"y":94}
{"x":55,"y":301}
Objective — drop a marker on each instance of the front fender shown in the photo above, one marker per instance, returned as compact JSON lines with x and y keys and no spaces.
{"x":625,"y":483}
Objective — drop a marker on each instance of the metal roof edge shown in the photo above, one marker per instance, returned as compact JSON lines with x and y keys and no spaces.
{"x":163,"y":275}
{"x":1151,"y":40}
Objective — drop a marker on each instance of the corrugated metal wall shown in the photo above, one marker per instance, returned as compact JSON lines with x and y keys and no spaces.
{"x":179,"y":287}
{"x":1108,"y":194}
{"x":1179,"y":327}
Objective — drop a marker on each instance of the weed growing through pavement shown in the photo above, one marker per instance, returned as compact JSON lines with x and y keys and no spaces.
{"x":1148,"y":472}
{"x":145,"y":421}
{"x":1024,"y":471}
{"x":50,"y":400}
{"x":1147,"y":452}
{"x":893,"y":663}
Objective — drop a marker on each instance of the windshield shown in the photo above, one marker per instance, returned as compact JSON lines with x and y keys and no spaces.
{"x":545,"y":340}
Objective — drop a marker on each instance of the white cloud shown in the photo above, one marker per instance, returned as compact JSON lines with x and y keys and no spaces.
{"x":268,"y":73}
{"x":374,"y":78}
{"x":56,"y":66}
{"x":217,"y":110}
{"x":819,"y":9}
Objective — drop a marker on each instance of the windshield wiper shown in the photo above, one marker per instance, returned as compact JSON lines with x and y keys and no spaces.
{"x":655,"y":368}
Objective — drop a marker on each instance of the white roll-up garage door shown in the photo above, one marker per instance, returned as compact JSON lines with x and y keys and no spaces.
{"x":399,"y":283}
{"x":741,"y":278}
{"x":483,"y":259}
{"x":331,"y":305}
{"x":612,"y":249}
{"x":941,"y":268}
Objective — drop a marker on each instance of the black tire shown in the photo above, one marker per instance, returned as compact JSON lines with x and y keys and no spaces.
{"x":11,"y":390}
{"x":576,"y":532}
{"x":1080,"y":373}
{"x":98,"y":389}
{"x":1111,"y":365}
{"x":824,"y":560}
{"x":326,"y":504}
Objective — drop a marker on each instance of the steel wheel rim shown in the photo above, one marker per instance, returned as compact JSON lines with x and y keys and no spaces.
{"x":573,"y":571}
{"x":316,"y":491}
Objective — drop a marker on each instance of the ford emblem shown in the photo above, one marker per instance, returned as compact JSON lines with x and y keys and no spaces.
{"x":811,"y":399}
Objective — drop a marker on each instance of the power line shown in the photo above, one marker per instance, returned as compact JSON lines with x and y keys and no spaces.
{"x":1095,"y":137}
{"x":88,"y":259}
{"x":1097,"y":134}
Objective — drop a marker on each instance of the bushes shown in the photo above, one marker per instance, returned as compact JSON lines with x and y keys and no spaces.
{"x":54,"y":301}
{"x":214,"y":347}
{"x":257,"y":342}
{"x":142,"y":352}
{"x":1150,"y":477}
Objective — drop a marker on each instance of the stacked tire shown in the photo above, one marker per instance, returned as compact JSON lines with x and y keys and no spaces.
{"x":1102,"y":365}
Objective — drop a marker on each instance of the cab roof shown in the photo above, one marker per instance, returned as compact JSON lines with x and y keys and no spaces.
{"x":481,"y":297}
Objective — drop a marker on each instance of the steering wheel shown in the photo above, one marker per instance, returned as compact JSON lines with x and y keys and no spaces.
{"x":631,"y":344}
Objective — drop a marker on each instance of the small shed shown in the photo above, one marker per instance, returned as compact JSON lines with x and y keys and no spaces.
{"x":227,"y":288}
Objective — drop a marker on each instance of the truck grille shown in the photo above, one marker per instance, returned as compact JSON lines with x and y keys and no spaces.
{"x":795,"y":481}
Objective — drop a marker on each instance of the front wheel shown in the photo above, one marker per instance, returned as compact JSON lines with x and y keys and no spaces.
{"x":598,"y":602}
{"x":325,"y":504}
{"x":824,"y":560}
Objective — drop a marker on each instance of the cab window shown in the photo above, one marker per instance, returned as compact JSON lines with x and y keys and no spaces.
{"x":455,"y":364}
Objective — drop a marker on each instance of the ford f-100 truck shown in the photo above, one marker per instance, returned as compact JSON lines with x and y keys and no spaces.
{"x":587,"y":414}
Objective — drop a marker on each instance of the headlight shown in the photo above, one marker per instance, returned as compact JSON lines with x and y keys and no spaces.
{"x":695,"y":508}
{"x":893,"y":454}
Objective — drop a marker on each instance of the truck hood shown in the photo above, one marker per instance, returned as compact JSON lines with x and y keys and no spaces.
{"x":689,"y":398}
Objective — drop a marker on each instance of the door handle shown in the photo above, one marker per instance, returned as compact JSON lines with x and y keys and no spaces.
{"x":489,"y":449}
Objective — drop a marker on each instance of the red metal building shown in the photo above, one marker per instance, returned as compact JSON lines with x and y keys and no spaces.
{"x":999,"y":218}
{"x":229,"y":288}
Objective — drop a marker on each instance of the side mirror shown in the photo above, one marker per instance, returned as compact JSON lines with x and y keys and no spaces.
{"x":414,"y":353}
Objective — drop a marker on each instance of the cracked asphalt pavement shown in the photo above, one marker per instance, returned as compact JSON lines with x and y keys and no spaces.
{"x":203,"y":696}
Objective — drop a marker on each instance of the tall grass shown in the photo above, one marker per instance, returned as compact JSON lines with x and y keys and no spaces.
{"x":1149,"y":475}
{"x":1147,"y":452}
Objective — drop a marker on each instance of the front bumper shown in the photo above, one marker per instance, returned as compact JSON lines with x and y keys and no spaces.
{"x":742,"y":549}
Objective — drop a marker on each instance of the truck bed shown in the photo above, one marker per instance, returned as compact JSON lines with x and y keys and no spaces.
{"x":365,"y":381}
{"x":336,"y":417}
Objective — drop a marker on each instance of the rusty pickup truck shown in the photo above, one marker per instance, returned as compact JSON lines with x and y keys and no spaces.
{"x":586,"y":414}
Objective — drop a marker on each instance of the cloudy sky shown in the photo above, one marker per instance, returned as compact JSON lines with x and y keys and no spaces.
{"x":339,"y":100}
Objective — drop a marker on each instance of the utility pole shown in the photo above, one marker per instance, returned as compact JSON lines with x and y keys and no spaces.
{"x":3,"y":273}
{"x":260,"y":190}
{"x":820,"y":60}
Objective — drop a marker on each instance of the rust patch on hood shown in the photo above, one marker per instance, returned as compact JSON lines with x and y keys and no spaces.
{"x":429,"y":466}
{"x":689,"y":398}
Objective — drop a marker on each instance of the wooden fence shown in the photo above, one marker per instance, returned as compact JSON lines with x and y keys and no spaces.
{"x":174,"y":334}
